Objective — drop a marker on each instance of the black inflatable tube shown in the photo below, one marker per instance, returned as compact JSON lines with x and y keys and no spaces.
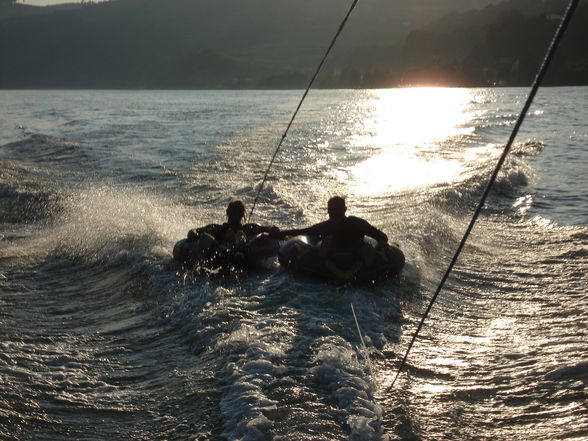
{"x":300,"y":255}
{"x":220,"y":256}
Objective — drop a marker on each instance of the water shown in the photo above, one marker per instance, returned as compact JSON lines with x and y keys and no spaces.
{"x":103,"y":337}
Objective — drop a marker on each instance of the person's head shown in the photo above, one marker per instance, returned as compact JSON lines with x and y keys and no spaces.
{"x":235,"y":211}
{"x":336,"y":208}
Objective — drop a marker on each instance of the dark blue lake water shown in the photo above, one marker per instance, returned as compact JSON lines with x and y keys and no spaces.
{"x":104,"y":337}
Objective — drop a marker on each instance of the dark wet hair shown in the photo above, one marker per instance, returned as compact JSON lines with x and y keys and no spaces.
{"x":236,"y":209}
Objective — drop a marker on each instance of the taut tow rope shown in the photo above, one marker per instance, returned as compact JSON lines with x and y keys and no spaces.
{"x":538,"y":79}
{"x":365,"y":349}
{"x":318,"y":69}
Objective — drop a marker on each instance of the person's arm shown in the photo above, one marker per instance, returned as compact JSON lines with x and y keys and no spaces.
{"x":371,"y":231}
{"x":255,"y":229}
{"x":282,"y":234}
{"x":314,"y":230}
{"x":210,"y":229}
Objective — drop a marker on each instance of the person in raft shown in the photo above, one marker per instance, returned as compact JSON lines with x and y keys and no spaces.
{"x":232,"y":234}
{"x":340,"y":233}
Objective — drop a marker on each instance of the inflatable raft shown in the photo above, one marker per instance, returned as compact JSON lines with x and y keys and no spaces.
{"x":215,"y":258}
{"x":300,"y":255}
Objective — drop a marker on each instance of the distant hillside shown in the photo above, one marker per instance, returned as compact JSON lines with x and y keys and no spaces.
{"x":270,"y":43}
{"x":500,"y":44}
{"x":9,"y":8}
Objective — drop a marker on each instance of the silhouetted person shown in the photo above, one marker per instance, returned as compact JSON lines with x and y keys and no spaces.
{"x":232,"y":234}
{"x":340,"y":233}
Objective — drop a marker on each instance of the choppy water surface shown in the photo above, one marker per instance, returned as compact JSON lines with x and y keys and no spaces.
{"x":104,"y":337}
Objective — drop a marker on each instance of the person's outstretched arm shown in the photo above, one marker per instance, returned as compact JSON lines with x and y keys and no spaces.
{"x":371,"y":231}
{"x":314,"y":230}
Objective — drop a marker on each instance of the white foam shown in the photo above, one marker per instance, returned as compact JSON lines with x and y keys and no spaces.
{"x":340,"y":370}
{"x":245,"y":405}
{"x":113,"y":224}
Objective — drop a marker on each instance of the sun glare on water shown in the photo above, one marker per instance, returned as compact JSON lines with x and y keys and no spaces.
{"x":405,"y":128}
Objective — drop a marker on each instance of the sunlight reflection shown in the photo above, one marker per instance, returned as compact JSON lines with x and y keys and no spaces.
{"x":451,"y":362}
{"x":389,"y":172}
{"x":432,"y":389}
{"x":415,"y":116}
{"x":523,"y":204}
{"x":407,"y":127}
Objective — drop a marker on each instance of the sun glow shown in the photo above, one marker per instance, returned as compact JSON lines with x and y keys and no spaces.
{"x":406,"y":128}
{"x":415,"y":116}
{"x":391,"y":172}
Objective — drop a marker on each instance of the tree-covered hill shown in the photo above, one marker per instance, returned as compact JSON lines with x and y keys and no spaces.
{"x":277,"y":43}
{"x":501,"y":44}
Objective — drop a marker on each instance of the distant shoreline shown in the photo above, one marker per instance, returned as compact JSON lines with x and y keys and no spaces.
{"x":32,"y":89}
{"x":268,"y":45}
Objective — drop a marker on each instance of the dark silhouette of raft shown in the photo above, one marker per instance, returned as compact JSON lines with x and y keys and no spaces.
{"x":221,"y":258}
{"x":300,"y":255}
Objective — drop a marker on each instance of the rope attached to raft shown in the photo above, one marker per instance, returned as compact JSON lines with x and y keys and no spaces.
{"x":538,"y":80}
{"x":318,"y":69}
{"x":564,"y":24}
